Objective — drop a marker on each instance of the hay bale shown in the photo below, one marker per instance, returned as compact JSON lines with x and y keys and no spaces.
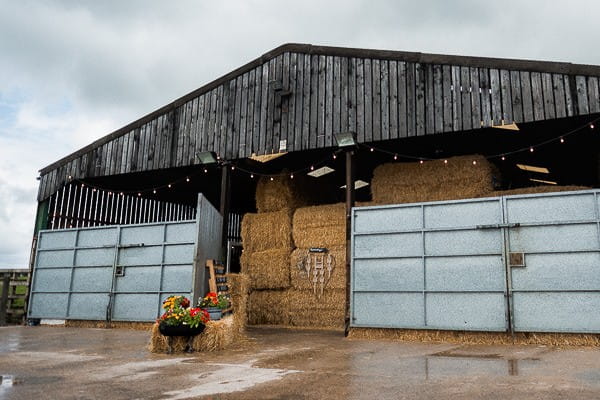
{"x":433,"y":180}
{"x":330,"y":319}
{"x":535,"y":189}
{"x":267,"y":231}
{"x":320,"y":226}
{"x":268,"y":269}
{"x":268,"y":307}
{"x":299,"y":278}
{"x":239,"y":288}
{"x":281,"y":193}
{"x":469,"y":337}
{"x":306,"y":310}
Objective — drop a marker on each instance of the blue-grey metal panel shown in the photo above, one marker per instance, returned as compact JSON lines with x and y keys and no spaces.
{"x":48,"y":305}
{"x":556,"y":207}
{"x":177,"y":278}
{"x":90,"y":306}
{"x":93,"y":279}
{"x":97,"y":237}
{"x":388,"y":309}
{"x":557,"y":311}
{"x":94,"y":257}
{"x":396,"y":274}
{"x":55,"y":258}
{"x":139,"y":279}
{"x":440,"y":271}
{"x":389,"y":219}
{"x":468,"y":273}
{"x":57,"y":240}
{"x":53,"y":280}
{"x":136,"y":306}
{"x":145,"y":255}
{"x":466,"y":311}
{"x":148,"y":234}
{"x":554,"y":238}
{"x":462,"y":214}
{"x":179,"y":254}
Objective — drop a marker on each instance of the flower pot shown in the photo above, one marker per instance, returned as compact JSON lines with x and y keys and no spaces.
{"x":215,"y":313}
{"x":180,"y":330}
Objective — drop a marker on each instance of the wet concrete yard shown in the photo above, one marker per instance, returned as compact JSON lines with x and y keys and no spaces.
{"x":78,"y":363}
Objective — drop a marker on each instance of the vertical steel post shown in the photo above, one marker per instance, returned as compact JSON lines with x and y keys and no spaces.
{"x":4,"y":297}
{"x":349,"y":205}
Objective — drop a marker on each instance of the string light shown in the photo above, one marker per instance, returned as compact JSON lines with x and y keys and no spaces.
{"x":592,"y":126}
{"x":154,"y":191}
{"x":252,"y":176}
{"x":291,"y":176}
{"x":531,"y":149}
{"x":139,"y":194}
{"x":562,"y":140}
{"x":445,"y":161}
{"x":334,"y":156}
{"x":474,"y":162}
{"x":395,"y":156}
{"x":232,"y":167}
{"x":372,"y":149}
{"x":271,"y":178}
{"x":205,"y":170}
{"x":169,"y":186}
{"x":312,"y":167}
{"x":421,"y":161}
{"x":187,"y":179}
{"x":503,"y":158}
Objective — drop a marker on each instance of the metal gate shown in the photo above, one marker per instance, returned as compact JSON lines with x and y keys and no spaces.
{"x":521,"y":263}
{"x":122,"y":273}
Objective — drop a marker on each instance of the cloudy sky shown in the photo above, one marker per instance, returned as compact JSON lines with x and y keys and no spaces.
{"x":73,"y":71}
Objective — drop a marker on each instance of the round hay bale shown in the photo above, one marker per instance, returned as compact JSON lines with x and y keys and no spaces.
{"x":299,"y":278}
{"x":320,"y":226}
{"x":461,"y":177}
{"x":268,"y":269}
{"x":267,"y":231}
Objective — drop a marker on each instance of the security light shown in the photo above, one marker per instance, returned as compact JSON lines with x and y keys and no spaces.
{"x":345,"y":139}
{"x":320,"y":172}
{"x":357,"y":184}
{"x":206,"y":157}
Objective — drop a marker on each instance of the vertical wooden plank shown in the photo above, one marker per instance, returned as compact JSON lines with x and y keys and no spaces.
{"x":285,"y":102}
{"x":456,"y":99}
{"x":360,"y":100}
{"x":234,"y":101}
{"x":385,"y":100}
{"x":337,"y":87}
{"x":240,"y":107}
{"x":570,"y":94}
{"x":199,"y":125}
{"x":107,"y":159}
{"x":420,"y":117}
{"x":537,"y":96}
{"x":152,"y":142}
{"x":214,"y":108}
{"x":277,"y":102}
{"x":257,"y":109}
{"x":185,"y":153}
{"x":526,"y":96}
{"x":429,"y":99}
{"x":180,"y":129}
{"x":206,"y":137}
{"x":582,"y":98}
{"x":505,"y":88}
{"x":475,"y":99}
{"x":306,"y":102}
{"x":447,"y":98}
{"x":496,"y":87}
{"x":486,"y":97}
{"x":314,"y":100}
{"x":466,"y":106}
{"x":218,"y":129}
{"x":344,"y":94}
{"x":517,"y":98}
{"x":558,"y":86}
{"x":191,"y":134}
{"x":593,"y":94}
{"x":439,"y":98}
{"x":118,"y":156}
{"x":299,"y":101}
{"x":247,"y":151}
{"x":321,"y":102}
{"x":411,"y":99}
{"x":264,"y":102}
{"x":376,"y":99}
{"x":368,"y":101}
{"x":402,"y":100}
{"x":548,"y":95}
{"x":329,"y":71}
{"x":270,"y":107}
{"x":352,"y":95}
{"x":393,"y":78}
{"x":226,"y":121}
{"x":158,"y":143}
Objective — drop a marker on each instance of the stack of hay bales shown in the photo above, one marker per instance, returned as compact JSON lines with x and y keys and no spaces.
{"x":267,"y":242}
{"x":461,"y":177}
{"x":318,"y":226}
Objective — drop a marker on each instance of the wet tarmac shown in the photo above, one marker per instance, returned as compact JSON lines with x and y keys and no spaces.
{"x":77,"y":363}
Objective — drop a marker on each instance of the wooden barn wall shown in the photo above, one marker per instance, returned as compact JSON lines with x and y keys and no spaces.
{"x":378,"y":99}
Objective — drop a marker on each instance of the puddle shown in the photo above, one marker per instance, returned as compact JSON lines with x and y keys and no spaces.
{"x":7,"y":381}
{"x":458,"y":354}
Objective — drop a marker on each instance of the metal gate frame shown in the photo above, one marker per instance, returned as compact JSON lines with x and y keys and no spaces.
{"x":108,"y":256}
{"x":508,"y":230}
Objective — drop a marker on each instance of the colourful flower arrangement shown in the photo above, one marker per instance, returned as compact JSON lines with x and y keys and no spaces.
{"x":178,"y":312}
{"x":214,"y":300}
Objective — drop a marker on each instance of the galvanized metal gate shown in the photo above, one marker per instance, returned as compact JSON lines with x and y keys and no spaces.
{"x":122,"y":273}
{"x":520,"y":263}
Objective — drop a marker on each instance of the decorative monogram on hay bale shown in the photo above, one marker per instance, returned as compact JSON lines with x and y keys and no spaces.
{"x":317,"y":265}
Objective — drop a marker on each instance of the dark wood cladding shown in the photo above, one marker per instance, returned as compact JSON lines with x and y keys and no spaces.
{"x":381,"y":95}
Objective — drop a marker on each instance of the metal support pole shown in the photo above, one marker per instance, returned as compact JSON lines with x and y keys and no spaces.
{"x":224,"y":205}
{"x":4,"y":297}
{"x":349,"y":205}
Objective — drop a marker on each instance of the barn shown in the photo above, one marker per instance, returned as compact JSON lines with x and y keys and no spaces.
{"x":356,"y":188}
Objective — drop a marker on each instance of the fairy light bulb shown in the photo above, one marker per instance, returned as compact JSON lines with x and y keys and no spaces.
{"x":395,"y":156}
{"x":474,"y":162}
{"x":562,"y":140}
{"x":372,"y":149}
{"x":271,"y":178}
{"x":232,"y":167}
{"x":445,"y":161}
{"x":334,"y":156}
{"x":592,"y":126}
{"x":122,"y":194}
{"x":503,"y":158}
{"x":291,"y":176}
{"x":531,"y":149}
{"x":154,"y":191}
{"x":169,"y":186}
{"x":252,"y":176}
{"x":420,"y":161}
{"x":187,"y":179}
{"x":139,"y":194}
{"x":312,"y":167}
